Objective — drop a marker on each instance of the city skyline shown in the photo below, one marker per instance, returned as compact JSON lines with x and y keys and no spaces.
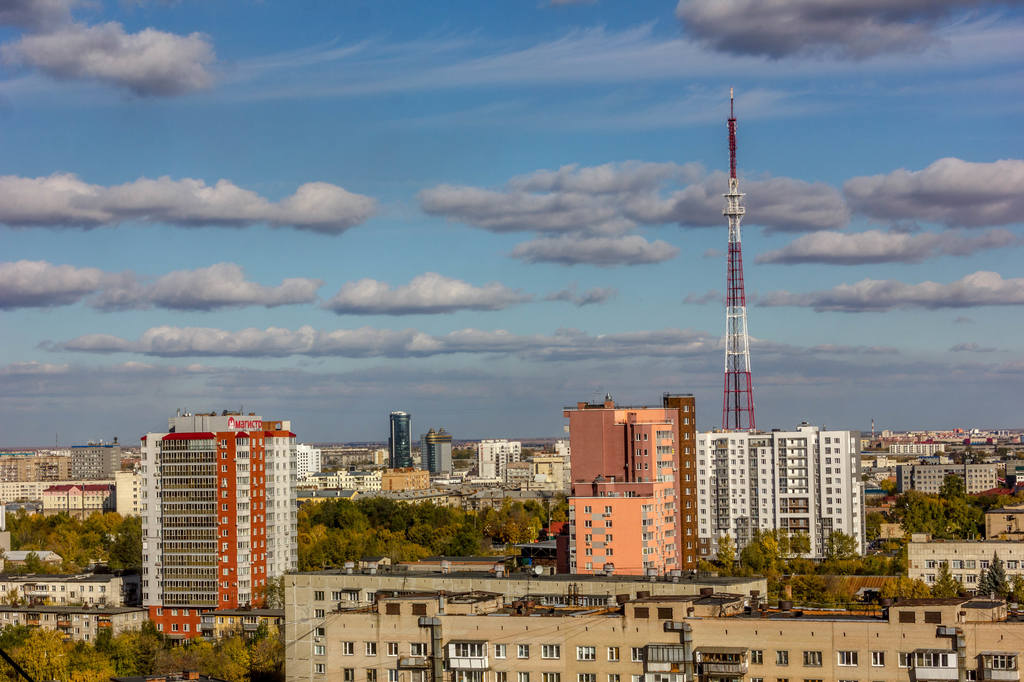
{"x":483,"y":213}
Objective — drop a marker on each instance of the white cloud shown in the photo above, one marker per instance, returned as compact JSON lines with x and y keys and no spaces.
{"x":871,"y":295}
{"x":39,"y":284}
{"x":580,"y":299}
{"x":972,"y":347}
{"x":36,"y":14}
{"x":876,"y":246}
{"x":604,"y":251}
{"x":949,"y":191}
{"x":845,"y":28}
{"x":428,"y":293}
{"x":64,"y":200}
{"x":149,"y":62}
{"x":366,"y":342}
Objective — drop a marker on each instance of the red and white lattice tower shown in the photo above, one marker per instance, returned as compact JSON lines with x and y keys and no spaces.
{"x":738,"y":396}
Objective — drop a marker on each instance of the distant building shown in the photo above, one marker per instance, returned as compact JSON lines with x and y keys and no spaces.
{"x":400,"y":440}
{"x":405,"y":479}
{"x":966,"y":558}
{"x":76,"y":623}
{"x":83,"y":589}
{"x":95,"y":461}
{"x":227,"y":622}
{"x":549,"y":472}
{"x":1006,"y":523}
{"x":18,"y":557}
{"x":79,"y":499}
{"x":928,"y":478}
{"x":436,"y":451}
{"x":493,"y":455}
{"x":308,"y":460}
{"x":518,"y":474}
{"x":32,"y":467}
{"x":128,"y":491}
{"x":926,"y":449}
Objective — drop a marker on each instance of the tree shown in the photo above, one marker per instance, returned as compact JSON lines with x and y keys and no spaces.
{"x":953,"y":488}
{"x":1017,"y":589}
{"x":905,"y":588}
{"x":42,"y":655}
{"x":726,"y":554}
{"x":945,"y":584}
{"x":126,"y":550}
{"x":839,"y":546}
{"x":273,"y":593}
{"x":873,"y":525}
{"x":993,"y":579}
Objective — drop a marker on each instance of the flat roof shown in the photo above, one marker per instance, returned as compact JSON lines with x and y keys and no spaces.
{"x":403,"y":574}
{"x":99,"y":610}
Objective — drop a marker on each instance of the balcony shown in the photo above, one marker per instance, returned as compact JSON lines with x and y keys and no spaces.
{"x":413,"y":662}
{"x":468,"y":663}
{"x":721,"y":661}
{"x":999,"y":665}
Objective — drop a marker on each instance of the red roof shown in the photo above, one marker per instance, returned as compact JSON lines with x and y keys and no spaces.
{"x":240,"y":435}
{"x":68,"y":486}
{"x":143,"y":439}
{"x":198,"y":435}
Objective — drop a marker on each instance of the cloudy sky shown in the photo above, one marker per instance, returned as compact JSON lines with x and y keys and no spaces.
{"x":479,"y":212}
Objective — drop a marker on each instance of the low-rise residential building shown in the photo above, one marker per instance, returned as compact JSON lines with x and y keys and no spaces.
{"x":23,"y":491}
{"x":94,"y":460}
{"x":967,"y":559}
{"x":928,"y":478}
{"x":916,"y":448}
{"x":79,"y":499}
{"x":518,"y":474}
{"x":75,"y":623}
{"x":479,"y":636}
{"x":362,"y":481}
{"x":1005,"y":523}
{"x":19,"y":557}
{"x":227,"y":622}
{"x":408,"y":478}
{"x":84,"y":589}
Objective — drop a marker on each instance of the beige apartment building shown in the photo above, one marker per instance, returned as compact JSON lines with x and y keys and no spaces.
{"x":407,"y":478}
{"x":966,"y":558}
{"x":75,"y":623}
{"x":480,"y":637}
{"x":85,"y":589}
{"x":30,"y":467}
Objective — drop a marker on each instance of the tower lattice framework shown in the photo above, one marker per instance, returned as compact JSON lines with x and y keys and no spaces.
{"x":738,"y":393}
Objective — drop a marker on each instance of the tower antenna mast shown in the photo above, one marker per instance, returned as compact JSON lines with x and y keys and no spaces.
{"x":738,"y":393}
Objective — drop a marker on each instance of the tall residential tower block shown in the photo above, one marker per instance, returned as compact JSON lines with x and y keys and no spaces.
{"x":218,"y":515}
{"x":632,"y":508}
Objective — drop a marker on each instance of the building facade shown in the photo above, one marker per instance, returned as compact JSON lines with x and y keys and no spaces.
{"x":966,"y":559}
{"x":95,"y":461}
{"x":83,"y":589}
{"x":928,"y":478}
{"x":632,"y":469}
{"x":436,"y":451}
{"x":493,"y":454}
{"x":79,"y":624}
{"x":400,"y":440}
{"x":31,"y":467}
{"x":405,"y":479}
{"x":479,"y":637}
{"x":926,"y":449}
{"x":79,"y":499}
{"x":802,"y":481}
{"x":308,"y":460}
{"x":128,"y":489}
{"x":219,"y":515}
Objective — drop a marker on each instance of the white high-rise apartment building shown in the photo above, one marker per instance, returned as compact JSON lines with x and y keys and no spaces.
{"x":218,"y":515}
{"x":804,"y":481}
{"x":307,"y":460}
{"x":493,"y":455}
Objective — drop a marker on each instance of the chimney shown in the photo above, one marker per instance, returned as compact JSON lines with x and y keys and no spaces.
{"x":707,"y":591}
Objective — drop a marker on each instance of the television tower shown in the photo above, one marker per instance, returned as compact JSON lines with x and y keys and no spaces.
{"x":738,"y":396}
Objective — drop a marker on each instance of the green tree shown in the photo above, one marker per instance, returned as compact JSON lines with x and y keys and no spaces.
{"x":905,"y":588}
{"x":42,"y":655}
{"x":726,"y":552}
{"x":126,"y":550}
{"x":1017,"y":589}
{"x":953,"y":488}
{"x":945,"y":584}
{"x":873,"y":525}
{"x":839,"y":546}
{"x":993,"y":579}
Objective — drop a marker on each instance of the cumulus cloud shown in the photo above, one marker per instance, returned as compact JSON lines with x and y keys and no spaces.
{"x":64,"y":200}
{"x":972,"y":348}
{"x":36,"y":14}
{"x":871,"y":295}
{"x":368,"y":342}
{"x":580,"y":299}
{"x":429,"y":293}
{"x":149,"y":62}
{"x":845,"y":28}
{"x":949,"y":191}
{"x":876,"y":246}
{"x":39,"y":284}
{"x":604,"y":251}
{"x":615,"y":198}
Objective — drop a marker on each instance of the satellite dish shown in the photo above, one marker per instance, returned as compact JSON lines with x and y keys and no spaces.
{"x":538,"y":571}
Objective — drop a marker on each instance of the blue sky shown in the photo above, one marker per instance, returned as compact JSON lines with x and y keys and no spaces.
{"x":480,"y":212}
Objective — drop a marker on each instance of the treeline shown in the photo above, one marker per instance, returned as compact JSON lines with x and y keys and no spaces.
{"x":45,"y":655}
{"x":332,"y":532}
{"x":107,"y":538}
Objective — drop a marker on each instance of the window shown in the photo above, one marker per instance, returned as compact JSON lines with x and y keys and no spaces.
{"x":418,"y":649}
{"x":318,"y":595}
{"x":586,"y":677}
{"x":550,"y":651}
{"x":908,"y":617}
{"x":878,"y":658}
{"x":636,"y":654}
{"x":931,"y":659}
{"x":934,"y":617}
{"x":320,"y":668}
{"x":1003,"y":662}
{"x":319,"y":650}
{"x":757,"y":656}
{"x":904,"y":659}
{"x":392,"y":675}
{"x":613,"y":677}
{"x":586,"y":653}
{"x":318,"y":613}
{"x":812,"y":658}
{"x":392,"y":648}
{"x":393,"y":609}
{"x":781,"y":657}
{"x":469,"y":649}
{"x":501,"y":676}
{"x":371,"y":675}
{"x":371,"y":648}
{"x":348,"y":648}
{"x":523,"y":677}
{"x":499,"y":651}
{"x":321,"y":632}
{"x":348,"y":675}
{"x":522,"y":651}
{"x":847,"y":657}
{"x":613,"y":653}
{"x":552,"y":677}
